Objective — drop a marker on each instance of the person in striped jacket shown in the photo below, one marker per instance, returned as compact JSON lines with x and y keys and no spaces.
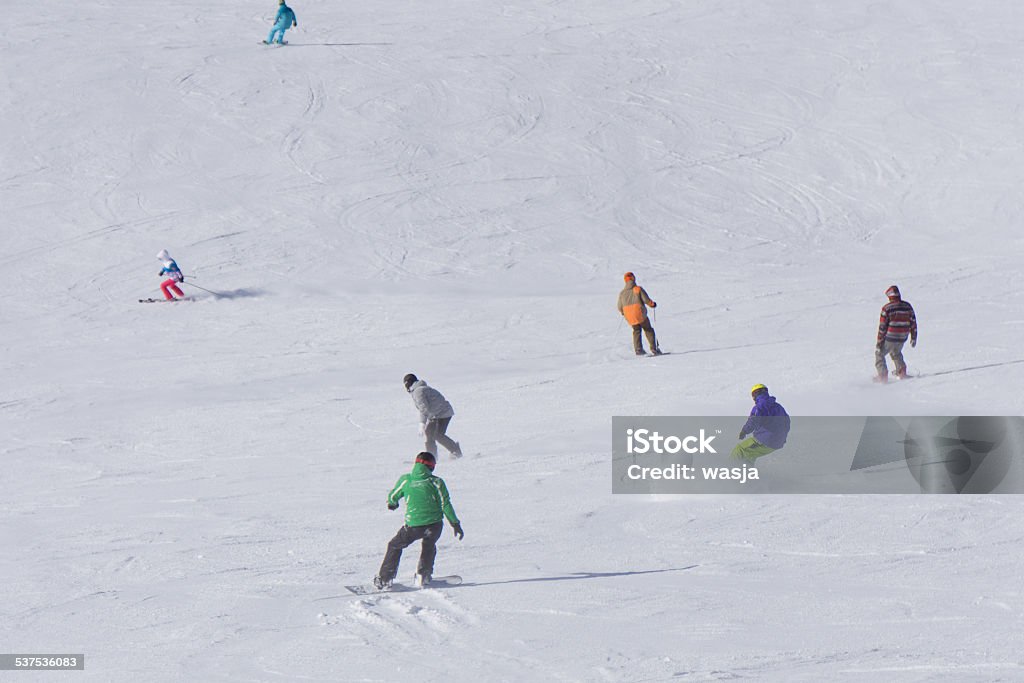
{"x":896,"y":324}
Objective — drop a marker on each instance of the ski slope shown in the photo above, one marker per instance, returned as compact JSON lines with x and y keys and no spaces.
{"x":455,"y":190}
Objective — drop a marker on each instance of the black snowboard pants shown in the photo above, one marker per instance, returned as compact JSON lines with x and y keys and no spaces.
{"x":405,"y":537}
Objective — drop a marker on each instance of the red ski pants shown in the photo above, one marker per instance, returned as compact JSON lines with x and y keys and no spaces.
{"x":169,"y":284}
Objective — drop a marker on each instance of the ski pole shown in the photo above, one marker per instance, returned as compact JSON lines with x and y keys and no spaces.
{"x":204,"y":289}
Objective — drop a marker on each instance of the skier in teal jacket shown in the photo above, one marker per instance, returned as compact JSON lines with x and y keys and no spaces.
{"x":284,"y":20}
{"x":427,"y":504}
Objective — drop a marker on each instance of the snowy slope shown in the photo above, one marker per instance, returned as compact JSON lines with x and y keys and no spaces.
{"x":455,"y":190}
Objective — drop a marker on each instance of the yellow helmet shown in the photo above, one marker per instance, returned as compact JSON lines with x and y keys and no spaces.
{"x":756,"y":388}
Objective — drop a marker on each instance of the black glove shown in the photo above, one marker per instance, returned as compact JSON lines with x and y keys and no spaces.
{"x":457,"y":528}
{"x":913,"y":343}
{"x":743,"y":435}
{"x":392,"y":506}
{"x":654,"y":304}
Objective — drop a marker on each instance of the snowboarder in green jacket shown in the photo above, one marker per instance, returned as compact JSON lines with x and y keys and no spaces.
{"x":427,"y":505}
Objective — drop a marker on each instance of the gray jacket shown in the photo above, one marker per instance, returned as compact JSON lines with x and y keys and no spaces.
{"x":429,"y":401}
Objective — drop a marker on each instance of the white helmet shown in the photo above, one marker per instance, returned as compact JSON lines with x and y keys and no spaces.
{"x":163,"y":255}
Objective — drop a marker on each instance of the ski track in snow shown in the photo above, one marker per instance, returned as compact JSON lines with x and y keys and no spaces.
{"x":455,"y":191}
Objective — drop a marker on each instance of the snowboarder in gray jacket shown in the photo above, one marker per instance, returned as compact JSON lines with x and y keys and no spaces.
{"x":435,"y":415}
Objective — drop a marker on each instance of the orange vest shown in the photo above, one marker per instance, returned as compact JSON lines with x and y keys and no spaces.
{"x":631,"y":303}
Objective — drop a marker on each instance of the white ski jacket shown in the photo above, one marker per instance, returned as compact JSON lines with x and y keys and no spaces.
{"x":430,"y":403}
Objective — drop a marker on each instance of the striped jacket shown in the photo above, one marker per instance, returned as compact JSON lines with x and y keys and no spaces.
{"x":897,"y":322}
{"x":633,"y":301}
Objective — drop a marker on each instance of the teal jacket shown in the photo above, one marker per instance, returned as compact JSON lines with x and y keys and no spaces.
{"x":285,"y":17}
{"x":426,"y":497}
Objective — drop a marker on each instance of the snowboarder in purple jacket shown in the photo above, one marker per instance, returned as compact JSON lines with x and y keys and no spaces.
{"x":768,"y":425}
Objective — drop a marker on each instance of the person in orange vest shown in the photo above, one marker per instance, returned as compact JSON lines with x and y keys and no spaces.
{"x":633,"y":303}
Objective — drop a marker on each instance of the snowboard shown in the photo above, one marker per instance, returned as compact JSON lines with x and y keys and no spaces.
{"x":436,"y":582}
{"x":893,"y":379}
{"x":163,"y":301}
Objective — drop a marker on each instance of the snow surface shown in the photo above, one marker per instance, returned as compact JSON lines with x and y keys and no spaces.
{"x":454,"y":189}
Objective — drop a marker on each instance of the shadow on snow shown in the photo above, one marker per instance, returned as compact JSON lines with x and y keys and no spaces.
{"x":576,"y":576}
{"x":244,"y":293}
{"x":335,"y":44}
{"x":971,"y":368}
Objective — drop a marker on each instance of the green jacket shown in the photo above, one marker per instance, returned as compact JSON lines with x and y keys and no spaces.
{"x":426,"y":497}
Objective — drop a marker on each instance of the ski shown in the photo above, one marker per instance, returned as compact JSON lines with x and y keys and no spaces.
{"x":163,"y":301}
{"x":266,"y":43}
{"x":436,"y":582}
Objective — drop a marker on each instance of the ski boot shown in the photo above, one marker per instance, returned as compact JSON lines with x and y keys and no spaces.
{"x":422,"y":580}
{"x":457,"y":453}
{"x":380,"y":584}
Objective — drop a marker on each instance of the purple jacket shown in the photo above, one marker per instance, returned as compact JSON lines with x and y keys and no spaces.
{"x":768,"y":422}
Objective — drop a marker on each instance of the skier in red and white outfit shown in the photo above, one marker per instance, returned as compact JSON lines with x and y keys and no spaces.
{"x":174,"y":274}
{"x":896,"y":324}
